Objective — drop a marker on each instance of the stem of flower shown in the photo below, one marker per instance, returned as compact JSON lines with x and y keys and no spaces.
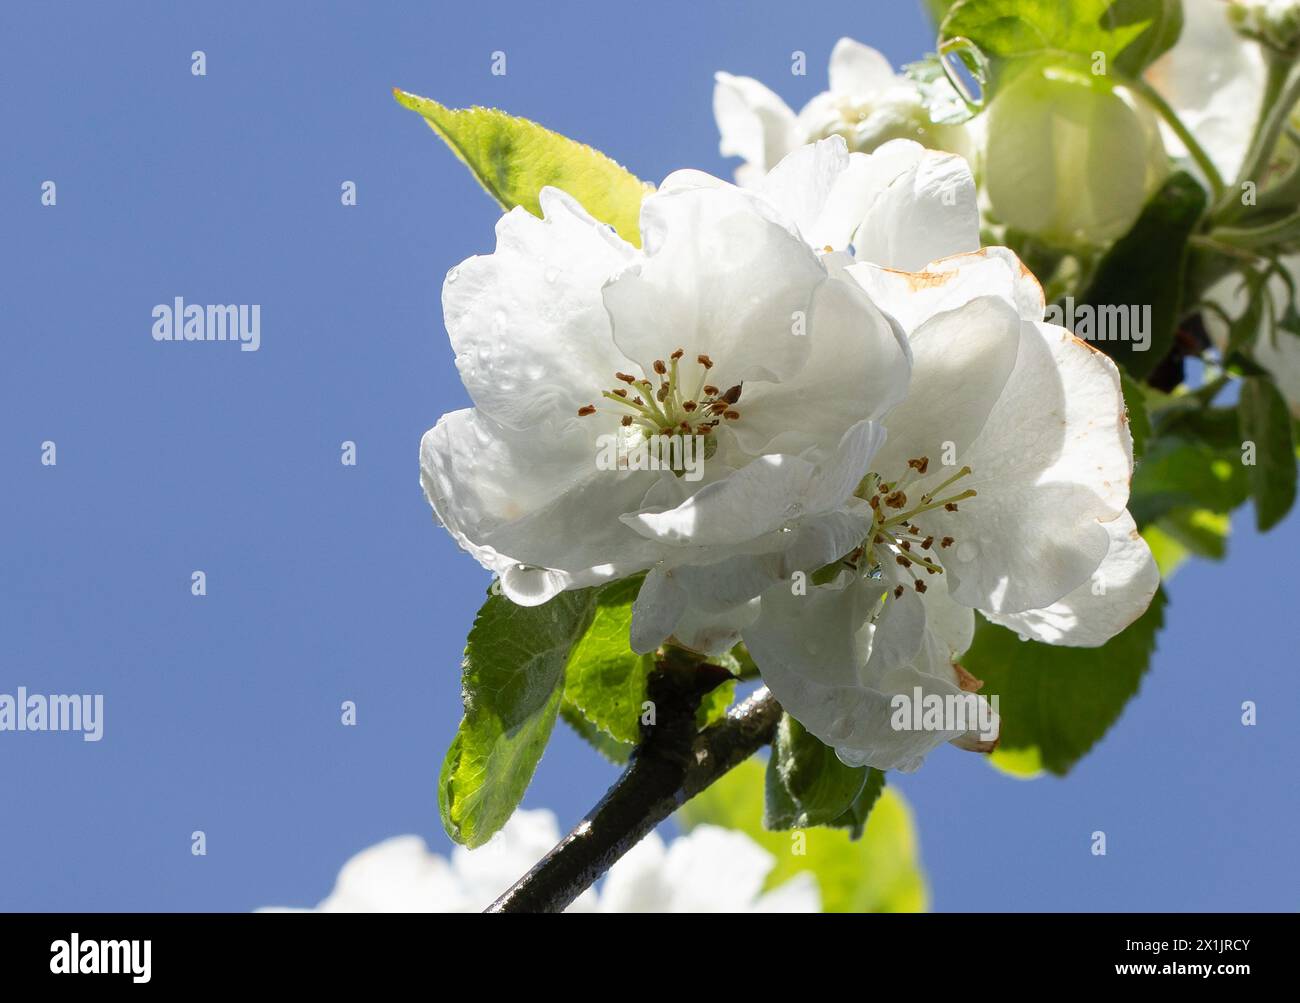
{"x":673,"y":763}
{"x":1166,"y":112}
{"x":1281,"y":92}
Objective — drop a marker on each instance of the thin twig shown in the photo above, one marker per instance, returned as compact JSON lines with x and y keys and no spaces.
{"x":673,"y":763}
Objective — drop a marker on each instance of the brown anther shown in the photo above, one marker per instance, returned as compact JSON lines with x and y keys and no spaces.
{"x":732,"y":395}
{"x":946,"y":541}
{"x":710,"y":390}
{"x":934,"y":571}
{"x":718,"y":407}
{"x":875,"y":503}
{"x":927,"y":543}
{"x":678,"y":354}
{"x":685,"y":426}
{"x":660,"y":368}
{"x":689,"y":406}
{"x":896,"y":499}
{"x":920,"y":465}
{"x":637,"y":400}
{"x":878,"y":539}
{"x":905,"y":545}
{"x":920,"y":585}
{"x":586,"y":409}
{"x":903,"y":561}
{"x":662,"y":394}
{"x":704,"y":430}
{"x":620,"y":392}
{"x":898,"y":592}
{"x":627,"y":420}
{"x":704,"y":361}
{"x":950,"y":507}
{"x":625,"y":378}
{"x":731,"y":415}
{"x":665,"y":431}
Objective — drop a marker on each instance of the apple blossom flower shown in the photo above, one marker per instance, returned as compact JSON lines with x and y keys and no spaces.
{"x":709,"y":870}
{"x":733,"y":324}
{"x":867,"y":104}
{"x":1214,"y":80}
{"x":1001,"y":486}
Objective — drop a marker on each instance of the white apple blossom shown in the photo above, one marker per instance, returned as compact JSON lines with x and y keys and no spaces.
{"x":734,"y":321}
{"x":867,"y":104}
{"x":1001,"y":486}
{"x":1214,"y":79}
{"x":709,"y":870}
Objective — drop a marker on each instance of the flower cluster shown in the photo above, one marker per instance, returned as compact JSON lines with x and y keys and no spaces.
{"x":894,"y":436}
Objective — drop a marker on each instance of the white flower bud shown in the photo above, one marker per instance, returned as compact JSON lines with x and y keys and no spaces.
{"x":1070,"y":158}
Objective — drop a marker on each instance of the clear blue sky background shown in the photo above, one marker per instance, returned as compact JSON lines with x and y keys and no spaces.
{"x":329,"y":583}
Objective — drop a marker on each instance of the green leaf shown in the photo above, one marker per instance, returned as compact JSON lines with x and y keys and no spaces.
{"x":1169,"y":554}
{"x":513,"y":159}
{"x":1135,"y":405}
{"x":1266,"y":422}
{"x":714,"y":705}
{"x":605,"y":678}
{"x":881,"y":872}
{"x":1197,"y":530}
{"x":1130,"y":33}
{"x":854,"y":817}
{"x":512,"y":682}
{"x":605,"y":681}
{"x":1058,"y":702}
{"x":806,"y":782}
{"x":1147,"y":267}
{"x":1180,"y":472}
{"x":611,"y":749}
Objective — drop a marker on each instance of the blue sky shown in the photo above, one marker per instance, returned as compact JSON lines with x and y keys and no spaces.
{"x":329,"y":583}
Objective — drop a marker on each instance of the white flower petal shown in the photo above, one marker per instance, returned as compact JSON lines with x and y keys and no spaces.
{"x":754,"y":122}
{"x":719,"y":278}
{"x":858,"y":69}
{"x":1052,"y":463}
{"x":858,"y":368}
{"x":926,"y":208}
{"x":532,"y":339}
{"x":1214,"y":79}
{"x":912,"y":298}
{"x":962,"y":361}
{"x":1118,"y":592}
{"x":511,"y":499}
{"x":812,"y":652}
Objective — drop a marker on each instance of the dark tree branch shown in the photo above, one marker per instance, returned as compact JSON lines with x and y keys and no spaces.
{"x":673,"y":763}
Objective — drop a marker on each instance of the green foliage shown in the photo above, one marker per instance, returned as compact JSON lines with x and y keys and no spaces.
{"x":1056,"y":703}
{"x":807,"y":784}
{"x":1131,"y":34}
{"x":605,"y":678}
{"x":1266,"y":422}
{"x":1189,"y":468}
{"x":513,"y":159}
{"x":512,"y":681}
{"x":1148,"y":265}
{"x":881,"y":872}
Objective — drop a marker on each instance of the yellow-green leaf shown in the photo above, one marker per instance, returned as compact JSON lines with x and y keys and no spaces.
{"x":514,"y":159}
